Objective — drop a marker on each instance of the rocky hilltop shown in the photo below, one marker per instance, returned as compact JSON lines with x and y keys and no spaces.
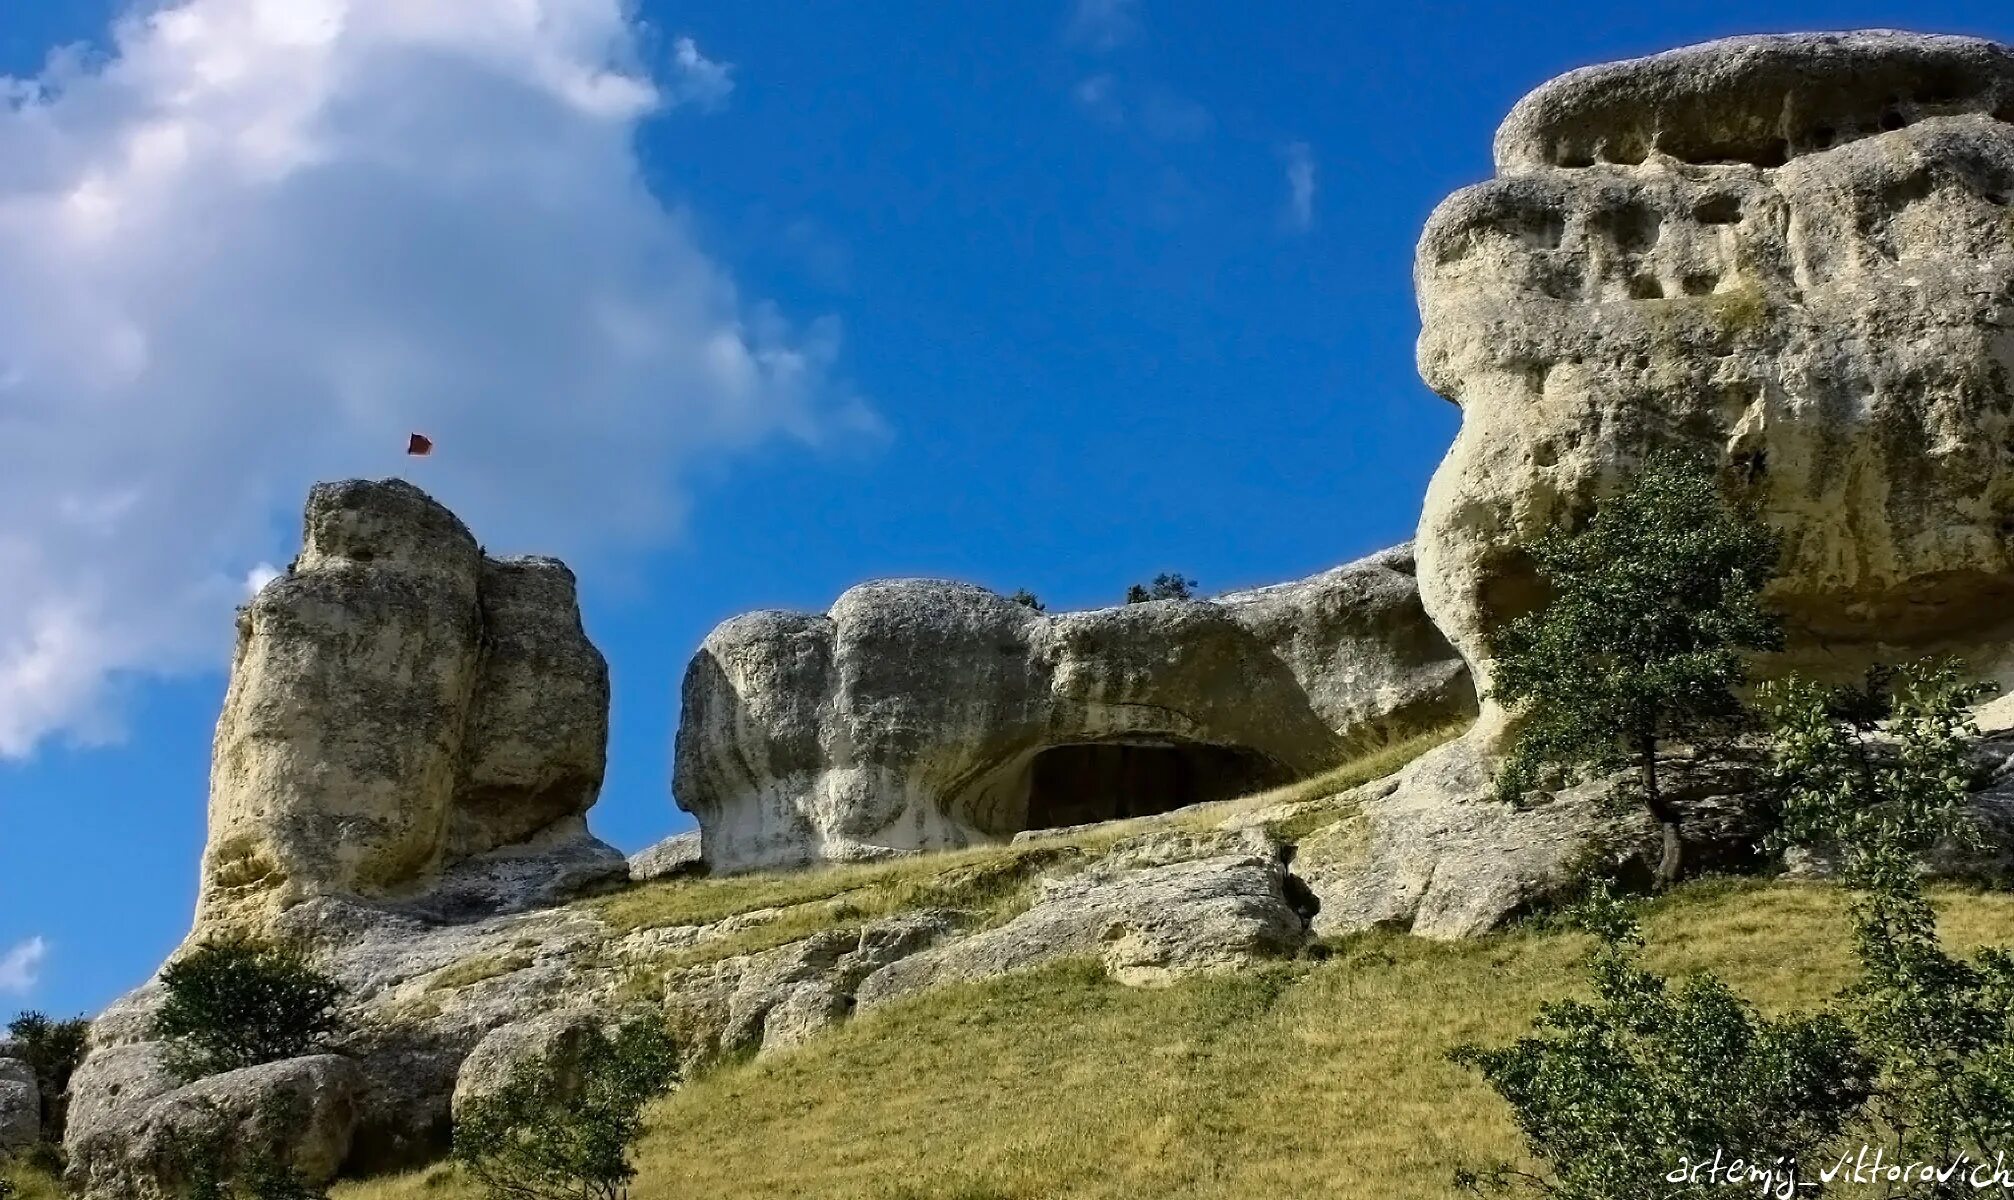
{"x":1796,"y":252}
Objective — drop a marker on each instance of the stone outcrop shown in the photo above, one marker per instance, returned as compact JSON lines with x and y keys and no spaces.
{"x":1157,"y":908}
{"x":678,"y":854}
{"x":1797,"y":251}
{"x":20,"y":1103}
{"x":406,"y":716}
{"x":923,"y":715}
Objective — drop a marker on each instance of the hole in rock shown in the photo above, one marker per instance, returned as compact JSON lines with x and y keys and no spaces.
{"x":1719,"y":210}
{"x":1774,"y":153}
{"x":1892,"y":121}
{"x":1645,"y":287}
{"x":1699,"y":283}
{"x":1822,"y":136}
{"x":1110,"y":781}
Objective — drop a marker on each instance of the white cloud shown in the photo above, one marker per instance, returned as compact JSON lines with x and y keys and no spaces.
{"x":1300,"y":214}
{"x":1102,"y":24}
{"x":21,"y":966}
{"x":257,"y":242}
{"x":699,"y":80}
{"x":258,"y":577}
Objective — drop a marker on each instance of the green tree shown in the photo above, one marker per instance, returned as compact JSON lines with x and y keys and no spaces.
{"x":1028,"y":599}
{"x":237,"y":1002}
{"x":1655,"y":604}
{"x":1166,"y":586}
{"x":1876,"y":776}
{"x":562,"y":1130}
{"x":1616,"y":1095}
{"x":52,"y":1049}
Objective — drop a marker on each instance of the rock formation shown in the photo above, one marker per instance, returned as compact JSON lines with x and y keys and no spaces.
{"x":1795,"y":250}
{"x":20,"y":1103}
{"x":923,"y":715}
{"x":408,"y":720}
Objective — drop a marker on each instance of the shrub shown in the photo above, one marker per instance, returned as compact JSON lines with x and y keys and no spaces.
{"x":1028,"y":599}
{"x":1165,"y":587}
{"x":1615,"y":1095}
{"x":563,"y":1130}
{"x":52,"y":1050}
{"x":235,"y":1003}
{"x":1654,"y":606}
{"x":1878,"y":775}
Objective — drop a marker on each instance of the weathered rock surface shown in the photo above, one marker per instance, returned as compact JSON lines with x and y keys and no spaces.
{"x":1796,"y":251}
{"x":402,"y":706}
{"x":302,"y":1109}
{"x":675,"y":855}
{"x":1157,"y":908}
{"x":554,"y":1041}
{"x":778,"y":998}
{"x":925,"y":715}
{"x":1431,"y":851}
{"x":20,"y":1104}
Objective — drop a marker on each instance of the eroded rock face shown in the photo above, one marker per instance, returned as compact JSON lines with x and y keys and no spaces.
{"x":1797,"y":251}
{"x":20,"y":1105}
{"x":922,"y":715}
{"x":400,"y":707}
{"x":304,"y":1110}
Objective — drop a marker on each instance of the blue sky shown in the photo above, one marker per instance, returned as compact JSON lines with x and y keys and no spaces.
{"x":733,"y":305}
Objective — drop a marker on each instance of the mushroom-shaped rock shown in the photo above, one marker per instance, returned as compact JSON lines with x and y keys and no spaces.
{"x":1795,"y":252}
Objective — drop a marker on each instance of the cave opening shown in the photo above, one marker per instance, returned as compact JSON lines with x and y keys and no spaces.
{"x":1082,"y":783}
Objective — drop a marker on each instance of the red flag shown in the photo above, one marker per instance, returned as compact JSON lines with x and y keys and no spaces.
{"x":419,"y":444}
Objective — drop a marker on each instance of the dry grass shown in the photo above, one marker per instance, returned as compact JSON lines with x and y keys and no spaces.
{"x":1313,"y":1079}
{"x":1372,"y":764}
{"x":990,"y":882}
{"x":477,"y":969}
{"x":29,"y":1183}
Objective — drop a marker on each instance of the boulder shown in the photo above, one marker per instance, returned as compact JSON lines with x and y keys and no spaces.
{"x":401,"y":705}
{"x":20,"y":1105}
{"x":1157,"y":908}
{"x":920,"y":715}
{"x":1432,"y":852}
{"x":676,"y":855}
{"x":1796,"y":252}
{"x":304,"y":1110}
{"x":555,"y":1041}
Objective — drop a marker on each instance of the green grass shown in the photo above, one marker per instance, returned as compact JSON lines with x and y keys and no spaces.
{"x":1307,"y":1079}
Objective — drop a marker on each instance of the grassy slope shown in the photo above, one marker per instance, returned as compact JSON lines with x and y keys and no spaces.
{"x":1311,"y":1079}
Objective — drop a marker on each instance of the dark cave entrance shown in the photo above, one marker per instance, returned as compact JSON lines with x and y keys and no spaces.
{"x":1110,"y":781}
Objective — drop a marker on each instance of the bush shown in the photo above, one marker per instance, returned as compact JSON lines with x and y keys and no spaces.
{"x":1165,"y":587}
{"x":1028,"y":599}
{"x":52,"y":1050}
{"x":1878,"y":775}
{"x":562,"y":1130}
{"x":1615,"y":1095}
{"x":1655,"y":604}
{"x":237,"y":1003}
